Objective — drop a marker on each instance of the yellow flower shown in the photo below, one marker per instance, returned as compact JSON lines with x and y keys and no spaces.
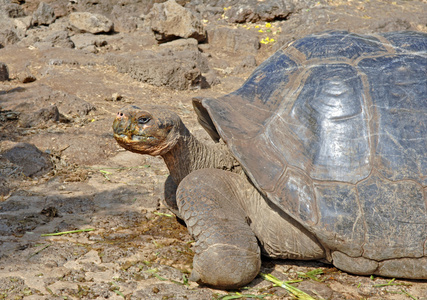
{"x":267,"y":25}
{"x":260,"y":30}
{"x":263,"y":42}
{"x":272,"y":40}
{"x":257,"y":26}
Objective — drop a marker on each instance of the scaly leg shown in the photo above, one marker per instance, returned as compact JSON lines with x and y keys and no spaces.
{"x":227,"y":252}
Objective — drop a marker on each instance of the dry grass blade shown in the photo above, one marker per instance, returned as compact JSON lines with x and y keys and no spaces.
{"x":391,"y":282}
{"x":163,"y":214}
{"x":38,"y":251}
{"x":284,"y":284}
{"x":68,"y":232}
{"x":311,"y":274}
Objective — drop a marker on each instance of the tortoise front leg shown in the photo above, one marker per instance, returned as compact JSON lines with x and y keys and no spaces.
{"x":169,"y":196}
{"x":227,"y":254}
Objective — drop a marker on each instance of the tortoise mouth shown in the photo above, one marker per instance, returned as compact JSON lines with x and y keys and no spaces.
{"x":121,"y":137}
{"x":136,"y":143}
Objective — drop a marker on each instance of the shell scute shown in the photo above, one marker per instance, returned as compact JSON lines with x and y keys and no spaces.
{"x":395,"y":215}
{"x":398,"y":89}
{"x":341,"y":222}
{"x":329,"y":118}
{"x":338,"y":44}
{"x":410,"y":41}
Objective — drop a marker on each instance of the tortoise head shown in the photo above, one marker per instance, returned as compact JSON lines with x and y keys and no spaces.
{"x":153,"y":130}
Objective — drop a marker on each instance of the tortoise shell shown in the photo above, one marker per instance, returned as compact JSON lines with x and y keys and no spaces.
{"x":332,"y":129}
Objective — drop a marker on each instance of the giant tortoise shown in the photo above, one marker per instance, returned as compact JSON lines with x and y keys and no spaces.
{"x":320,"y":155}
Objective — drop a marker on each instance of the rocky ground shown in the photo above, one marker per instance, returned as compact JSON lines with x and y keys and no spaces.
{"x":66,"y":67}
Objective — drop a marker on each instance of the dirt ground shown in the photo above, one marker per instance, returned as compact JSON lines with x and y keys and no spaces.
{"x":132,"y":247}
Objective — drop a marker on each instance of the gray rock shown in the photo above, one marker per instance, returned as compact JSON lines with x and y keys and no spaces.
{"x":8,"y":34}
{"x":177,"y":71}
{"x":127,"y":17}
{"x":187,"y":55}
{"x":89,"y":22}
{"x":240,"y":11}
{"x":21,"y":25}
{"x":85,"y":40}
{"x":4,"y":72}
{"x":171,"y":21}
{"x":58,"y":39}
{"x":70,"y":106}
{"x":181,"y":44}
{"x":29,"y":158}
{"x":207,"y":11}
{"x":41,"y":116}
{"x":44,"y":15}
{"x":35,"y":97}
{"x":11,"y":10}
{"x":233,"y":40}
{"x":254,"y":11}
{"x":103,"y":7}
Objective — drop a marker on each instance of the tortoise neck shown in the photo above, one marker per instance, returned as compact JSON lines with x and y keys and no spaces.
{"x":189,"y":154}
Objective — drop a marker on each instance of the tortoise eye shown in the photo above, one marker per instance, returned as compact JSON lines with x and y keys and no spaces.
{"x":143,"y":120}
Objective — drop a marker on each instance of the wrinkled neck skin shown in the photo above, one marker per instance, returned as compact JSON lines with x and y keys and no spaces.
{"x":189,"y":155}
